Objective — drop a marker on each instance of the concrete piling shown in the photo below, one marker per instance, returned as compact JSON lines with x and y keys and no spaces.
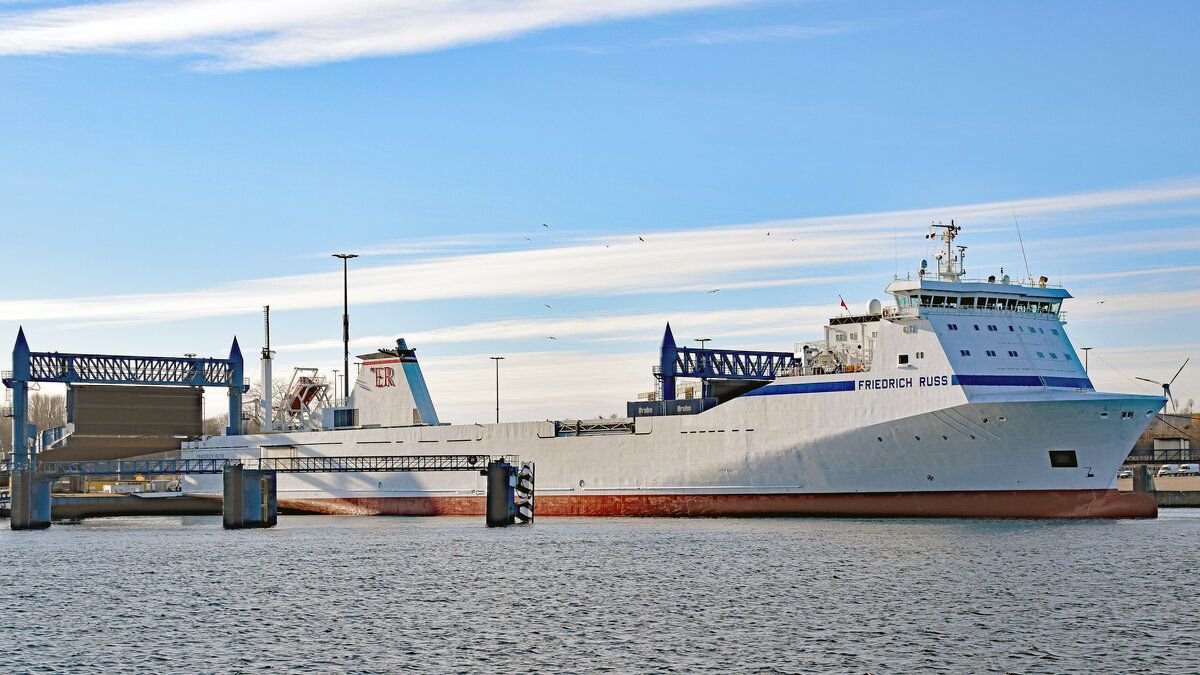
{"x":249,"y":498}
{"x":30,"y":506}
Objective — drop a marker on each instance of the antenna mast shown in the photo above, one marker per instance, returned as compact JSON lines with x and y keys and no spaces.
{"x":1022,"y":242}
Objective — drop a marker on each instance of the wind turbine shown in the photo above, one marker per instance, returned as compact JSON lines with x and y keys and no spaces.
{"x":1167,"y":385}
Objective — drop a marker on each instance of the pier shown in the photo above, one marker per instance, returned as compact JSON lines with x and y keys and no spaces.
{"x":249,"y":485}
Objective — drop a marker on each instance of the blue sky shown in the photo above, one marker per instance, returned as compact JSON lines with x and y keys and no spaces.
{"x":169,"y":167}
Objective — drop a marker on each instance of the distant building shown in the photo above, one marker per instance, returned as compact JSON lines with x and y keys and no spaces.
{"x":1168,"y":439}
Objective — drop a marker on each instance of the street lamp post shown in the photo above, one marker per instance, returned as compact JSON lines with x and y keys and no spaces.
{"x":702,"y":341}
{"x":1085,"y":358}
{"x":497,"y":359}
{"x":345,"y":322}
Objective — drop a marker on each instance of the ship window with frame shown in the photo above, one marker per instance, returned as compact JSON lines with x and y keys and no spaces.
{"x":990,"y":352}
{"x":1032,"y":329}
{"x":976,"y":326}
{"x":1012,"y":353}
{"x":840,"y":337}
{"x":1063,"y":459}
{"x":967,"y":302}
{"x":1012,"y":304}
{"x":1053,"y":355}
{"x":1011,"y":329}
{"x":1041,"y":355}
{"x":939,"y":301}
{"x":920,"y":355}
{"x":964,"y":352}
{"x":854,"y":336}
{"x":952,"y":301}
{"x":991,"y":303}
{"x":1054,"y":330}
{"x":952,"y":326}
{"x":992,"y":327}
{"x":903,"y":359}
{"x":1022,"y":306}
{"x":1067,"y":357}
{"x":1054,"y":308}
{"x":926,"y":301}
{"x":1042,"y":331}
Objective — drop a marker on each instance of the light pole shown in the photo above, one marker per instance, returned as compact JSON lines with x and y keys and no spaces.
{"x":702,"y":341}
{"x":497,"y":359}
{"x":345,"y":322}
{"x":1085,"y":358}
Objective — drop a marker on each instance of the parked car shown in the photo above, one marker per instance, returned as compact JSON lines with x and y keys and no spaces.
{"x":1126,"y":473}
{"x":1189,"y":469}
{"x":1168,"y":470}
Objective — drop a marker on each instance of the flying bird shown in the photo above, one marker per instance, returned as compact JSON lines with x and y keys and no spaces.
{"x":551,"y":337}
{"x":547,"y":306}
{"x":714,"y":290}
{"x":641,"y":240}
{"x":545,"y":225}
{"x":528,"y":239}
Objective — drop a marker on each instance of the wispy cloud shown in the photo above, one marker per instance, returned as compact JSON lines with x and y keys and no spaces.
{"x":283,"y":33}
{"x":753,"y":321}
{"x":755,"y":34}
{"x":678,"y":261}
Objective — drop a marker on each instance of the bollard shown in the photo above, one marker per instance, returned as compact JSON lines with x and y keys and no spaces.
{"x":29,"y":507}
{"x":501,"y":505}
{"x":249,"y":498}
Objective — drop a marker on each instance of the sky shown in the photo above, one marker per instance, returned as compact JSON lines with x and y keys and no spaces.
{"x":520,"y":170}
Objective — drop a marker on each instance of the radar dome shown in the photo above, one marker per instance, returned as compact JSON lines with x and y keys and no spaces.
{"x":875,"y":307}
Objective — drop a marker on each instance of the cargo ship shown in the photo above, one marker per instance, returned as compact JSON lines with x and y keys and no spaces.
{"x":958,"y":398}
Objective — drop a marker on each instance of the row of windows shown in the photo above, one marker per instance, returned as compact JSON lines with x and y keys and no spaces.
{"x":993,"y":328}
{"x":990,"y":352}
{"x":984,"y":302}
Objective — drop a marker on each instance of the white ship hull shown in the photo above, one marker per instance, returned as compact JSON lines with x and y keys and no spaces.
{"x":803,"y":453}
{"x":963,"y":399}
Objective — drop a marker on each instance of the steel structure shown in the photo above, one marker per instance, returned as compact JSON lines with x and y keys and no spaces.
{"x":369,"y":463}
{"x":29,"y":366}
{"x":726,"y":364}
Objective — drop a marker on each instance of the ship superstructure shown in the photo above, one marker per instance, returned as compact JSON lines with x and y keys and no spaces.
{"x":959,"y":398}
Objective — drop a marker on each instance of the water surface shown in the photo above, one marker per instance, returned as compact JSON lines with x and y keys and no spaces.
{"x":381,"y":595}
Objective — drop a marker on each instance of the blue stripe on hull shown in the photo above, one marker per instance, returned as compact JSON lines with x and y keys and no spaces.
{"x":958,"y":380}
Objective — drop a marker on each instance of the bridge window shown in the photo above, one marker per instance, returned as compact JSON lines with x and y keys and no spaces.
{"x":926,"y":301}
{"x":939,"y":301}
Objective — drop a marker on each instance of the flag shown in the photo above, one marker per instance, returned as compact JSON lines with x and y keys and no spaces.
{"x":843,"y":303}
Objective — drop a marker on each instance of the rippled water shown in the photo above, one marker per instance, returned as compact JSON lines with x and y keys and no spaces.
{"x":380,"y":595}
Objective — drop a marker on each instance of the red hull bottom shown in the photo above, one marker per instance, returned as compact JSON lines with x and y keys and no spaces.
{"x":984,"y":504}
